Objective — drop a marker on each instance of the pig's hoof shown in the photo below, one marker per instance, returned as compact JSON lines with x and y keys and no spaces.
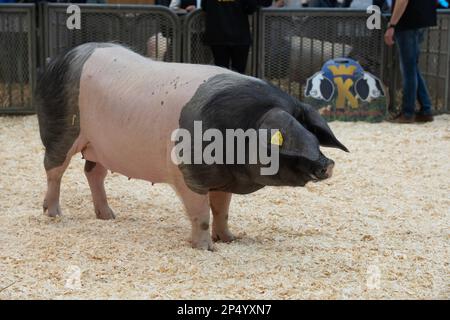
{"x":51,"y":211}
{"x":225,"y":236}
{"x":105,"y":213}
{"x":203,"y":245}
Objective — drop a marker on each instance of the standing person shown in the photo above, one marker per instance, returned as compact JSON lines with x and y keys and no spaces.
{"x":407,"y":25}
{"x":228,"y":31}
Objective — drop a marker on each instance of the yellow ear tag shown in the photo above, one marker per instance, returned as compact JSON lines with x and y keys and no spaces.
{"x":277,"y":138}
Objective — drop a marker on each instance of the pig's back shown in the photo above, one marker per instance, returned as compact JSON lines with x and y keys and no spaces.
{"x":129,"y":107}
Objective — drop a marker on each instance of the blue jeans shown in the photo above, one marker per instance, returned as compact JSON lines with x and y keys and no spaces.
{"x":414,"y":86}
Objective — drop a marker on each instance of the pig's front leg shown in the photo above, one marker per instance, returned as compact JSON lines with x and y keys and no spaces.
{"x":220,"y":204}
{"x":198,"y":211}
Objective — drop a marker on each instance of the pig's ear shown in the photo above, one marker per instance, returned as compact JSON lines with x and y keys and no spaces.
{"x":315,"y":123}
{"x":291,"y":137}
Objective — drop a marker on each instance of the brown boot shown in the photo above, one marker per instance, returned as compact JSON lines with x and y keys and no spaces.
{"x":424,"y":118}
{"x":401,"y":118}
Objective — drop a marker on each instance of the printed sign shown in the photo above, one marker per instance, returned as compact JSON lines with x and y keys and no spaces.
{"x":342,"y":90}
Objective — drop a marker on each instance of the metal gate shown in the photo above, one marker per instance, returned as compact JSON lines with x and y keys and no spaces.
{"x":196,"y":51}
{"x":17,"y":58}
{"x":152,"y":31}
{"x":435,"y":63}
{"x":294,"y":44}
{"x":289,"y":45}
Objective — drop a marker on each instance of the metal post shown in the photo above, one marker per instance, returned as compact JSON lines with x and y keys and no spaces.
{"x":447,"y":87}
{"x":261,"y":44}
{"x":25,"y":17}
{"x":32,"y":56}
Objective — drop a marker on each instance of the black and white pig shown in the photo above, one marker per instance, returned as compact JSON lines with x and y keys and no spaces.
{"x":120,"y":111}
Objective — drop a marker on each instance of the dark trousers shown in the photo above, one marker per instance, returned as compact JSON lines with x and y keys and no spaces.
{"x":414,"y":86}
{"x":236,"y":56}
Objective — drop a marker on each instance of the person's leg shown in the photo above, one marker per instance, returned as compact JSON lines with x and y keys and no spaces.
{"x":239,"y":57}
{"x":422,"y":91}
{"x":423,"y":95}
{"x":407,"y":44}
{"x":221,"y":56}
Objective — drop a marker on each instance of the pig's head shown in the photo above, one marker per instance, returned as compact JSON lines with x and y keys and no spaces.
{"x":230,"y":101}
{"x":301,"y":133}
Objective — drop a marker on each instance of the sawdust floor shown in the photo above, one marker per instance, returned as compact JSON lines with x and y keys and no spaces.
{"x":378,"y":229}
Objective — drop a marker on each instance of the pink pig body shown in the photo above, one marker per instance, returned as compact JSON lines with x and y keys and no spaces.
{"x":129,"y":107}
{"x":120,"y":111}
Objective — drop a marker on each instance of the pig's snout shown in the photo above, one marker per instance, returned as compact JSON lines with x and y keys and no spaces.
{"x":325,"y":172}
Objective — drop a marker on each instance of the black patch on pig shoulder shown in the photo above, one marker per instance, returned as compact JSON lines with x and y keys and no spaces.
{"x":57,"y":102}
{"x":229,"y":101}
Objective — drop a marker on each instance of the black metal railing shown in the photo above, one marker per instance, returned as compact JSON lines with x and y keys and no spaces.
{"x":17,"y":58}
{"x":289,"y":45}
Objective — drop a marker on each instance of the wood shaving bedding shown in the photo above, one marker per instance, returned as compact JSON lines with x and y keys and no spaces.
{"x":378,"y":229}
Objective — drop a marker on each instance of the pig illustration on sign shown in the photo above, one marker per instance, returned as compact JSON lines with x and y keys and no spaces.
{"x":319,"y":87}
{"x":120,"y":110}
{"x":369,"y":87}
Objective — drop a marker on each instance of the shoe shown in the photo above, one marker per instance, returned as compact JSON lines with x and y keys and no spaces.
{"x":424,"y":118}
{"x":401,"y":118}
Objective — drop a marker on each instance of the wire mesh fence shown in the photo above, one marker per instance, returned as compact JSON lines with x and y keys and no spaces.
{"x":152,"y":31}
{"x":435,"y":62}
{"x":17,"y":58}
{"x":294,"y":44}
{"x":289,"y":45}
{"x":196,"y":51}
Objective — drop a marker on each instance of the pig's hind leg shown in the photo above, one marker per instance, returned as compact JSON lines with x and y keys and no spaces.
{"x":59,"y":125}
{"x":51,"y":205}
{"x":220,"y":204}
{"x":55,"y":163}
{"x":95,"y":174}
{"x":57,"y":95}
{"x":198,"y":211}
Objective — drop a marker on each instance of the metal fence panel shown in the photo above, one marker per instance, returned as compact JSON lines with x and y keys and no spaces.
{"x":289,"y":45}
{"x":447,"y":109}
{"x":17,"y":57}
{"x":294,"y":44}
{"x":152,"y":31}
{"x":435,"y":62}
{"x":196,"y":51}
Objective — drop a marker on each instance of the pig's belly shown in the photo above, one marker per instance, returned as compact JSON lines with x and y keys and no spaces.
{"x":135,"y":147}
{"x":128,"y":130}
